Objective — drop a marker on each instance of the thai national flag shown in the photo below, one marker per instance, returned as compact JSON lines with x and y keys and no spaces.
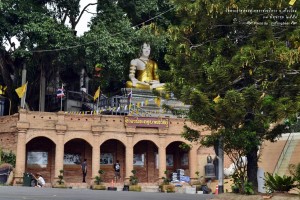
{"x":60,"y":92}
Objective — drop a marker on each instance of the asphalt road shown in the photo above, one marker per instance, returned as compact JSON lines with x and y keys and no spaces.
{"x":31,"y":193}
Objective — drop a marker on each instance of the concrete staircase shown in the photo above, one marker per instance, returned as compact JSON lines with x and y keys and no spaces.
{"x":276,"y":157}
{"x":269,"y":155}
{"x":283,"y":168}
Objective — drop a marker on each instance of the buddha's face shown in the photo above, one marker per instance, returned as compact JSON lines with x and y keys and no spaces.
{"x":146,"y":50}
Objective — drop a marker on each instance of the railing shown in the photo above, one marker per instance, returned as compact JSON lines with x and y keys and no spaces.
{"x":87,"y":100}
{"x":119,"y":104}
{"x":283,"y":152}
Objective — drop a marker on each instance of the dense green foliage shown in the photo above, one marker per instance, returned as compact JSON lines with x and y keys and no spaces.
{"x":60,"y":180}
{"x":8,"y":157}
{"x":276,"y":183}
{"x":238,"y":70}
{"x":29,"y":34}
{"x":233,"y":61}
{"x":98,"y":179}
{"x":47,"y":44}
{"x":133,"y":179}
{"x":294,"y":170}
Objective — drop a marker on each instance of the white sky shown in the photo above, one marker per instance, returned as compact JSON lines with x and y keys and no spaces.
{"x":86,"y":17}
{"x":82,"y":24}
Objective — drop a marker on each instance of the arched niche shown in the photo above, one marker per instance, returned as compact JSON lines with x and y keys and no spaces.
{"x":177,"y":159}
{"x":145,"y":161}
{"x":40,"y":157}
{"x":110,"y":151}
{"x":75,"y":151}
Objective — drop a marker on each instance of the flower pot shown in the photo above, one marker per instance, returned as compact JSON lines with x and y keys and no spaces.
{"x":136,"y":188}
{"x":98,"y":187}
{"x":167,"y":188}
{"x":62,"y":186}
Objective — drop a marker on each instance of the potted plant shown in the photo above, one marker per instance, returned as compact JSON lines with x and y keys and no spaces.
{"x":60,"y":183}
{"x":165,"y":186}
{"x":98,"y":181}
{"x":133,"y":180}
{"x":198,"y":184}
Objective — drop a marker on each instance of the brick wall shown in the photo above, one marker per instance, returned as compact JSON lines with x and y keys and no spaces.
{"x":78,"y":138}
{"x":8,"y":130}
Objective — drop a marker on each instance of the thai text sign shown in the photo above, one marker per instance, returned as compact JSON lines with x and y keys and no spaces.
{"x":147,"y":122}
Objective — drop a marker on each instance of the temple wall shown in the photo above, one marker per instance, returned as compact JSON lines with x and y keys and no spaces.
{"x":89,"y":136}
{"x":8,"y":133}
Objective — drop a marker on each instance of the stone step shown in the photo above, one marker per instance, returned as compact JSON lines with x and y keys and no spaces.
{"x":148,"y":188}
{"x":283,"y":168}
{"x":78,"y":185}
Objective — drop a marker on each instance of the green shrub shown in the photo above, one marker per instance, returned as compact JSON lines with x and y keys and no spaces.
{"x":276,"y":183}
{"x":245,"y":188}
{"x":98,"y":179}
{"x":60,"y":177}
{"x":8,"y":157}
{"x":248,"y":188}
{"x":133,"y":179}
{"x":295,"y":172}
{"x":235,"y":188}
{"x":166,"y":181}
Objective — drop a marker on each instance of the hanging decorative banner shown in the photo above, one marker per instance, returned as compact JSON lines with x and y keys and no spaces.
{"x":146,"y":122}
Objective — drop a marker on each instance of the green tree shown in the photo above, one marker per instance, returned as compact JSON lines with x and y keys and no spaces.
{"x":115,"y":38}
{"x":47,"y":46}
{"x":42,"y":44}
{"x":237,"y":69}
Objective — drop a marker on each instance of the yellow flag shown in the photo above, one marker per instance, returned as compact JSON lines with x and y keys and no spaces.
{"x":146,"y":102}
{"x":217,"y":99}
{"x":292,"y":2}
{"x":21,"y":90}
{"x":2,"y":89}
{"x":250,"y":72}
{"x":157,"y":101}
{"x":167,"y":96}
{"x":97,"y":94}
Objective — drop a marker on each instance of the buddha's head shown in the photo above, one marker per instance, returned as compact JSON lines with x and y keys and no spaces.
{"x":145,"y":49}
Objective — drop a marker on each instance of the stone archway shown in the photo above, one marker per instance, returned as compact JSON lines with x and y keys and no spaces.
{"x":75,"y":151}
{"x":145,"y":161}
{"x":111,"y":151}
{"x":40,"y":157}
{"x":177,"y":160}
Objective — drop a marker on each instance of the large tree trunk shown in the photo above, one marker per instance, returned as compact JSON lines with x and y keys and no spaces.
{"x":252,"y":167}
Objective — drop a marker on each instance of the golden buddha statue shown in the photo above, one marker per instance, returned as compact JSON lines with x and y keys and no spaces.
{"x":143,"y":72}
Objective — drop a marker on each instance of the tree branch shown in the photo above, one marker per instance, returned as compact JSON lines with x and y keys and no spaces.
{"x":65,"y":16}
{"x":84,"y":9}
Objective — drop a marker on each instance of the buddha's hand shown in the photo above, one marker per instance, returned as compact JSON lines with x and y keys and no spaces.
{"x":143,"y":83}
{"x":153,"y":82}
{"x":135,"y":82}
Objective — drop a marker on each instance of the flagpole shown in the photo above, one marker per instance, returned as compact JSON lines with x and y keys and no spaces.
{"x":98,"y":99}
{"x":24,"y":73}
{"x":24,"y":96}
{"x":129,"y":107}
{"x":62,"y":87}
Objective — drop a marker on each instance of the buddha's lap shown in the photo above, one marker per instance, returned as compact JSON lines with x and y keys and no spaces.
{"x":138,"y":86}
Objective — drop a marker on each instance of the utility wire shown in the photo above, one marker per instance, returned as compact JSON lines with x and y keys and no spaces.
{"x":95,"y":41}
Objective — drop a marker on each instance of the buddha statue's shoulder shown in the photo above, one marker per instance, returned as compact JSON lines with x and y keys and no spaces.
{"x":134,"y":62}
